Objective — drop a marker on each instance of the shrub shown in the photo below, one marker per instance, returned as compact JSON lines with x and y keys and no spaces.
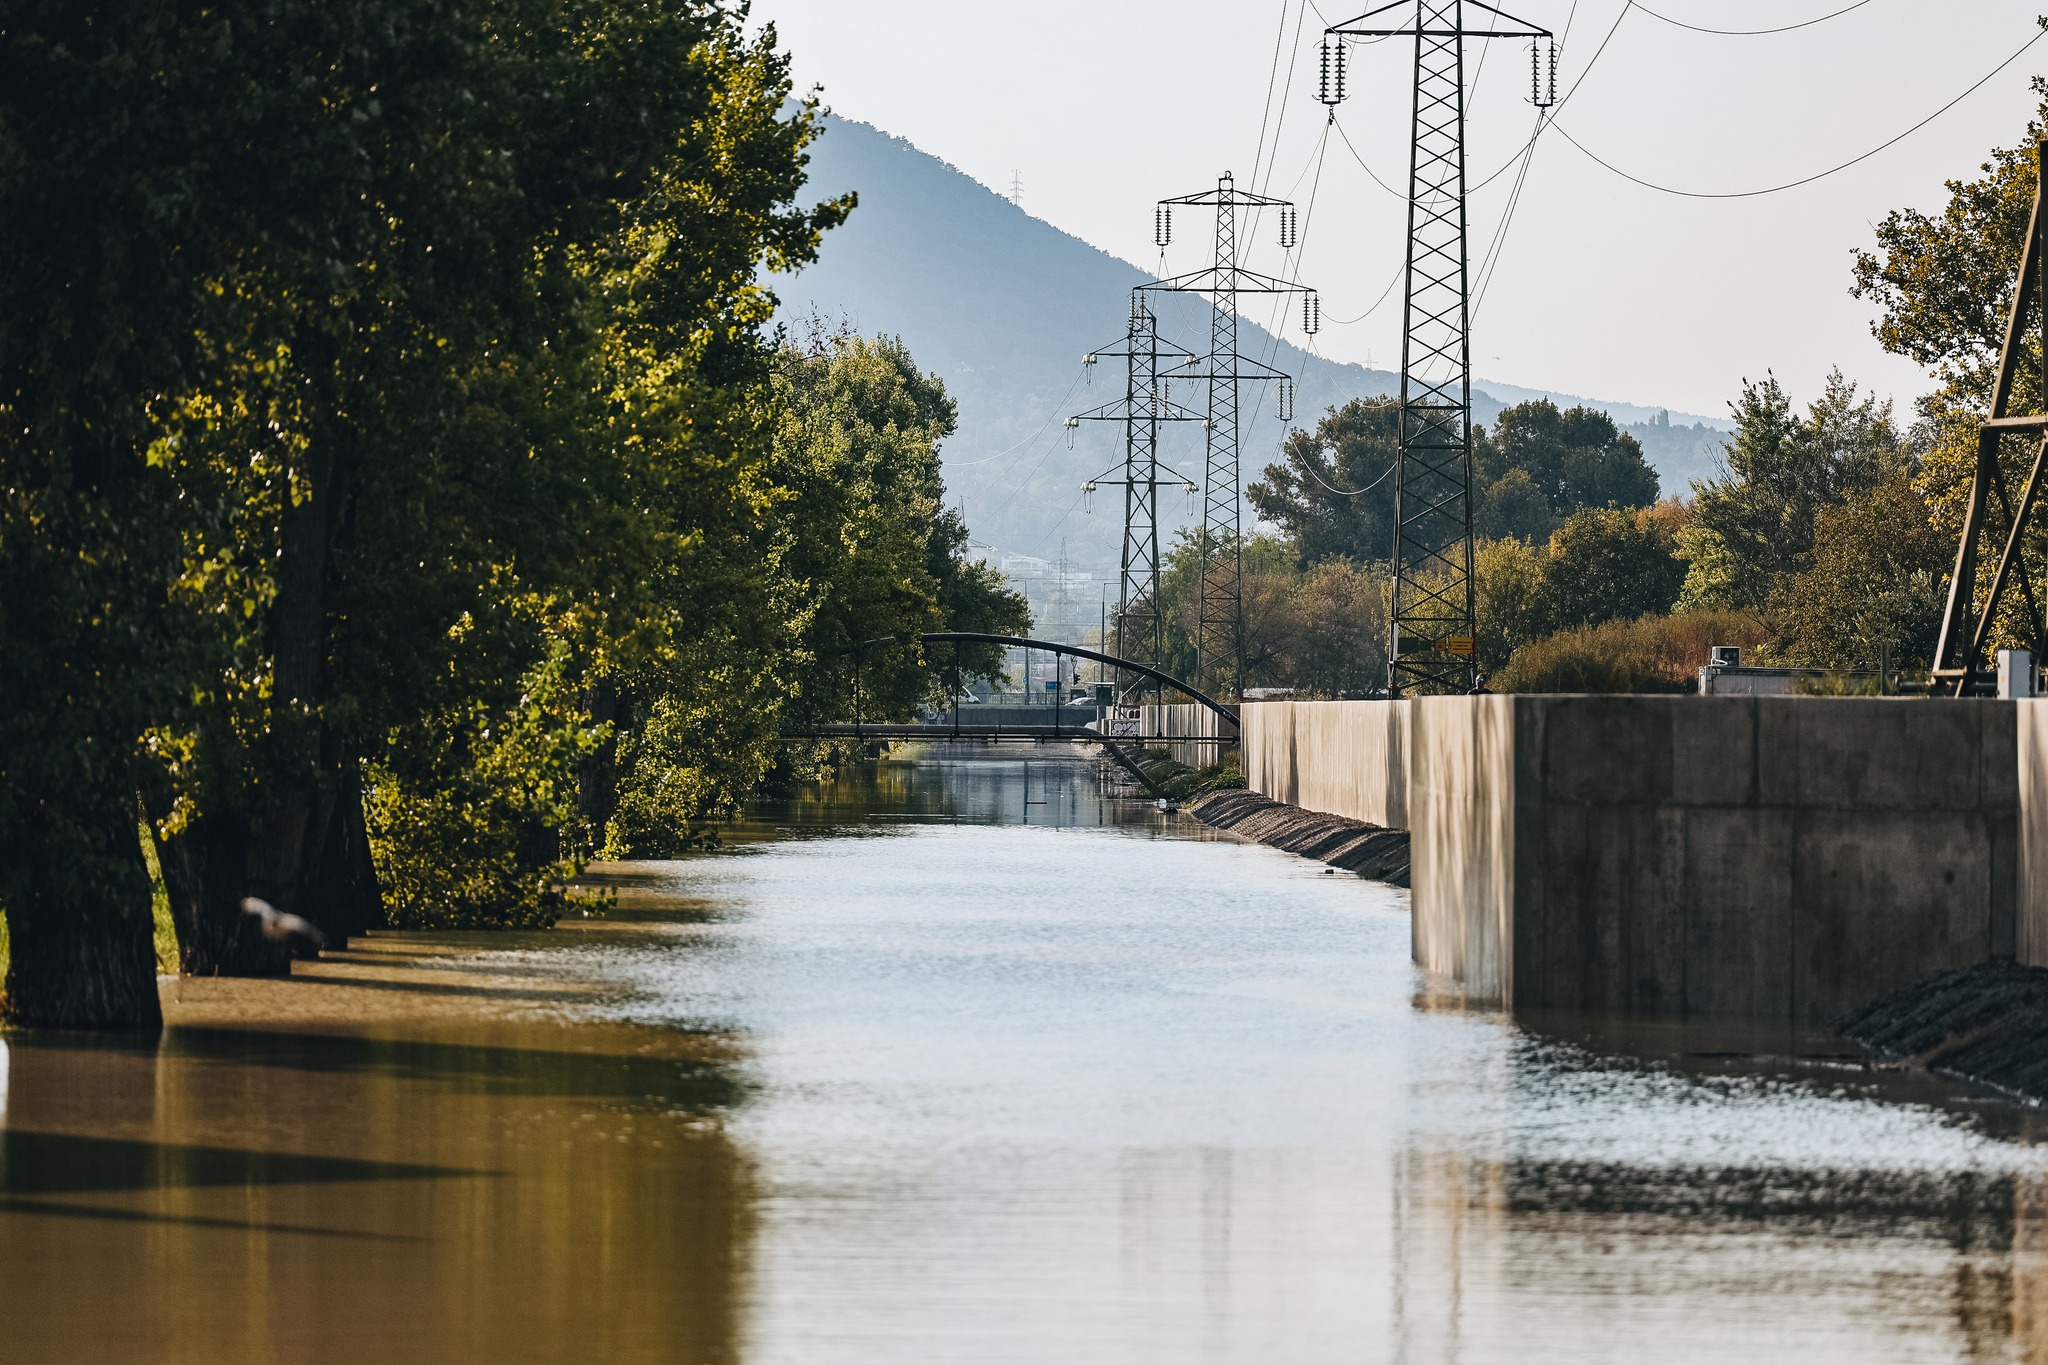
{"x":1648,"y":654}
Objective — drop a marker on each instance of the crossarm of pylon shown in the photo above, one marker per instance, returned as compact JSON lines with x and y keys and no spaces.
{"x":1202,"y":367}
{"x":1358,"y":27}
{"x":1214,"y":281}
{"x":1124,"y":410}
{"x":1239,"y":198}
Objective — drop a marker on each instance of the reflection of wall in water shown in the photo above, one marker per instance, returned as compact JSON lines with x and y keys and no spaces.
{"x":1504,"y":1256}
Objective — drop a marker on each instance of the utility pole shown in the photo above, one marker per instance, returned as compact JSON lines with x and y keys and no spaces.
{"x":1219,"y":627}
{"x":1140,"y":625}
{"x":1993,"y":518}
{"x":1435,"y":606}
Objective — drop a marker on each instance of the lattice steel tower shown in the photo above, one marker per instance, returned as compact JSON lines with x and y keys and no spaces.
{"x":1219,"y":626}
{"x":1140,"y":627}
{"x":1434,"y":604}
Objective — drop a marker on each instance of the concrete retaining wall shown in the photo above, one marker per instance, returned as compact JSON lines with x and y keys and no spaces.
{"x":1184,"y":718}
{"x":1766,"y":858}
{"x":1346,"y":758}
{"x":2030,"y":934}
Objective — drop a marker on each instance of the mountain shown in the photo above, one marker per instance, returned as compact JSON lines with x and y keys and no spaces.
{"x":1003,"y":306}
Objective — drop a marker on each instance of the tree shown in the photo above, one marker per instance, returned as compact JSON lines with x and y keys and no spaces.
{"x":853,"y":556}
{"x":1331,"y":639}
{"x":1874,"y":585}
{"x":1944,"y":286}
{"x":1540,"y":465}
{"x":1332,"y":494}
{"x":1508,"y":591}
{"x":1756,"y":522}
{"x":383,"y":364}
{"x":1607,"y":564}
{"x":1321,"y":628}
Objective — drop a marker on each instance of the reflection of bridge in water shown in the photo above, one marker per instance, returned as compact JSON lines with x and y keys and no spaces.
{"x":1110,"y":721}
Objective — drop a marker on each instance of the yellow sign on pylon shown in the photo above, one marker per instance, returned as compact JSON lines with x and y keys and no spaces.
{"x":1458,"y":644}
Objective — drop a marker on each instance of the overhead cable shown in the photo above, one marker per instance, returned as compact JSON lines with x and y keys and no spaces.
{"x":1818,"y":175}
{"x":1746,"y":32}
{"x":1061,"y":403}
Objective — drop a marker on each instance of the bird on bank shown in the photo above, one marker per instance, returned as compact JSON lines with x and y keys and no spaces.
{"x":278,"y":927}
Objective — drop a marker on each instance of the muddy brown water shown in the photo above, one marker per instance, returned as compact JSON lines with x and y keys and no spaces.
{"x":959,"y":1061}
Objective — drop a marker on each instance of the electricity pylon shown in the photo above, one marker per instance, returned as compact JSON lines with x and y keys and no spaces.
{"x":1966,"y":628}
{"x":1140,"y":626}
{"x":1219,"y":624}
{"x":1435,"y":608}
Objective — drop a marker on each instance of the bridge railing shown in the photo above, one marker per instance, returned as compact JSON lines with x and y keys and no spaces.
{"x":1208,"y":723}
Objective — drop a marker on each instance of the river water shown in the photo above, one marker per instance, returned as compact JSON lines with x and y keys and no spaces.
{"x":958,"y":1061}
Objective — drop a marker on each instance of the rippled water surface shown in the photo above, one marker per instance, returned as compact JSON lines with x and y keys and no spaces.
{"x":960,"y":1062}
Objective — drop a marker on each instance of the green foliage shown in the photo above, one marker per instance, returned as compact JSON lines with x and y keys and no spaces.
{"x":867,"y":538}
{"x":472,"y":810}
{"x":1757,"y":522}
{"x":1874,"y":585}
{"x":849,"y":558}
{"x":1606,"y":564}
{"x":372,"y":355}
{"x":1648,"y":654}
{"x":1320,"y":628}
{"x":1508,"y":592}
{"x":1332,"y":492}
{"x":1943,"y":284}
{"x":1539,"y":466}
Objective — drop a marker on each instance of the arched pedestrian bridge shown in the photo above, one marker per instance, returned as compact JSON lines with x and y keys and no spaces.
{"x":961,"y":723}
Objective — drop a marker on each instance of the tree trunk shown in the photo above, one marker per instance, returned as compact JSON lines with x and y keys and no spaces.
{"x":80,"y":929}
{"x":206,"y":871}
{"x":308,"y":854}
{"x":341,"y":894}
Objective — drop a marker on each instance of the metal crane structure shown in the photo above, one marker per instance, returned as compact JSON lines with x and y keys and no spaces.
{"x":1140,"y":627}
{"x":1219,"y":625}
{"x":1435,"y":609}
{"x":1959,"y":662}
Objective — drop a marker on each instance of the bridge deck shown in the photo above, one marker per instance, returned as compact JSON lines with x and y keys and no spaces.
{"x":946,"y":730}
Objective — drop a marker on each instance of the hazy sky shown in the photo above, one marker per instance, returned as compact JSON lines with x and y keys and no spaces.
{"x":1603,"y":288}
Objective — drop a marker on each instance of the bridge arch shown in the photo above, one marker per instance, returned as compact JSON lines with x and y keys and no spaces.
{"x":973,"y":637}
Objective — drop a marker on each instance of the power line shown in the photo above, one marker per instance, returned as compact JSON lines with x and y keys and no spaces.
{"x":1057,"y":406}
{"x":1272,"y":77}
{"x":1354,"y":493}
{"x":1493,"y":253}
{"x":1586,"y":71}
{"x":1818,"y":175}
{"x":1746,"y":32}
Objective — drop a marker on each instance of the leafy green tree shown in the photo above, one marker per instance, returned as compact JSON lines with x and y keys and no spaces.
{"x":1332,"y":492}
{"x":1756,"y":523}
{"x":413,"y":333}
{"x":1539,"y":465}
{"x":1607,"y":564}
{"x":857,"y":557}
{"x":1873,"y":588}
{"x":1331,"y":638}
{"x":1508,"y":591}
{"x":1943,"y":284}
{"x":1321,"y":628}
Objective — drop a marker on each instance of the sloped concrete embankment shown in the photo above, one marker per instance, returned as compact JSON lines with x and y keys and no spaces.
{"x":1353,"y":845}
{"x":1987,"y":1023}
